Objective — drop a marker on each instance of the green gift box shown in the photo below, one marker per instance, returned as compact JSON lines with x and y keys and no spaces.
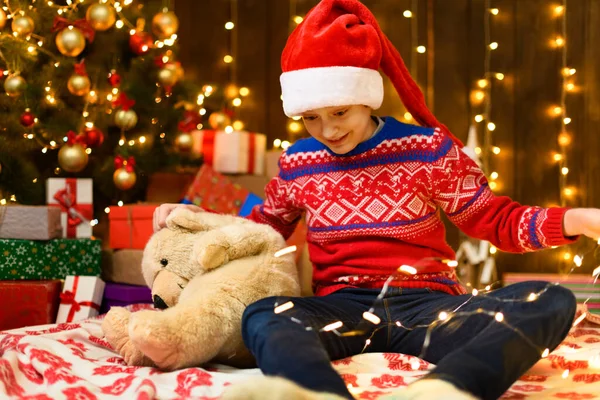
{"x":51,"y":259}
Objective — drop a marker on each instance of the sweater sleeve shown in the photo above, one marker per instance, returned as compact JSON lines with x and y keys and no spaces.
{"x":279,"y":210}
{"x":460,"y":188}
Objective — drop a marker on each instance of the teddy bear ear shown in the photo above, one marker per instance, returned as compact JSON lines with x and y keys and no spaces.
{"x":184,"y":219}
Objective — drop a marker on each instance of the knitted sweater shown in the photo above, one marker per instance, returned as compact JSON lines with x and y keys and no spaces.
{"x":377,"y":208}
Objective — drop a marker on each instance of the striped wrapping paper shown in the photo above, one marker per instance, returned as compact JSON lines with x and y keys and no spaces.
{"x":581,"y":285}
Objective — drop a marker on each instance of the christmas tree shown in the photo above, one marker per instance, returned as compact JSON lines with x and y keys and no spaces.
{"x":94,"y":89}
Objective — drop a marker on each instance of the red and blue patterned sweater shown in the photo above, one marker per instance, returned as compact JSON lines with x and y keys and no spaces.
{"x":378,"y":207}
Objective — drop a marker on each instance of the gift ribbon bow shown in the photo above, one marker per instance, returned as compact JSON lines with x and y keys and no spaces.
{"x":80,"y":68}
{"x":73,"y":138}
{"x":124,"y":102}
{"x":121,"y":162}
{"x":189,"y":122}
{"x":61,"y":23}
{"x":68,"y":298}
{"x":76,"y":214}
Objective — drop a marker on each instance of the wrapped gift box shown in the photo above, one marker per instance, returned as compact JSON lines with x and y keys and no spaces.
{"x":124,"y":266}
{"x":28,"y":303}
{"x":120,"y":295}
{"x":581,"y":285}
{"x":30,"y":222}
{"x":204,"y":144}
{"x":272,"y":162}
{"x":52,"y":259}
{"x":240,"y":152}
{"x":215,"y":192}
{"x":254,"y":183}
{"x":130,"y":226}
{"x":74,"y":197}
{"x":80,"y":299}
{"x":168,"y":187}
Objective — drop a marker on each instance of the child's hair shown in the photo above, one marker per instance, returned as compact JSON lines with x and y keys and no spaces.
{"x":332,"y":59}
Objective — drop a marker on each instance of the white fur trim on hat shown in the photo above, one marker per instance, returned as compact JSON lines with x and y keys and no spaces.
{"x":311,"y":88}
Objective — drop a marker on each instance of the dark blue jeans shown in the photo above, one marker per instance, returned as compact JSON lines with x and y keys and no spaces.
{"x":475,"y":353}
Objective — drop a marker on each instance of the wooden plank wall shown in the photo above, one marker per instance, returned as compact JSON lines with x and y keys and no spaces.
{"x":453,"y":31}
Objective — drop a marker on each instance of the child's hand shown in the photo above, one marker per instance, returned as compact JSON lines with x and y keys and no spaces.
{"x":582,"y":221}
{"x":159,"y":219}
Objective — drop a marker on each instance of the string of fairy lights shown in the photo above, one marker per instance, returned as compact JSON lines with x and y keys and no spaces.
{"x":567,"y":86}
{"x":483,"y":96}
{"x":416,"y":47}
{"x":371,"y":323}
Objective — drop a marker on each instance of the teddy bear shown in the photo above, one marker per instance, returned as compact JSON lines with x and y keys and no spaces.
{"x":203,"y":269}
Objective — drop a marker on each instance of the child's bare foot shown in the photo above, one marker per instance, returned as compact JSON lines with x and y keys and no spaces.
{"x":430,"y":389}
{"x":273,"y":388}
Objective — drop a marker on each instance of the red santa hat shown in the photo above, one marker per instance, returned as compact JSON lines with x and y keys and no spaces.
{"x":333,"y":58}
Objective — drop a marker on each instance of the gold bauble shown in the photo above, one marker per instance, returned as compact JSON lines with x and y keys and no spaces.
{"x":70,"y":41}
{"x":232,"y":91}
{"x":179,"y":72}
{"x":126,"y":119}
{"x":3,"y":19}
{"x":79,"y":85}
{"x":14,"y":85}
{"x":164,"y":24}
{"x":72,"y":157}
{"x":219,"y":120}
{"x":184,"y":142}
{"x":23,"y":25}
{"x":101,"y":16}
{"x":167,"y":76}
{"x":123,"y":179}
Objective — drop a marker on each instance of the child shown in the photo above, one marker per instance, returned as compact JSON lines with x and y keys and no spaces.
{"x":371,"y":190}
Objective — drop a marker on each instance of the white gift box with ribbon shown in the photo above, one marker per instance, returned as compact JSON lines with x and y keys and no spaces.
{"x":80,"y":299}
{"x":74,"y":197}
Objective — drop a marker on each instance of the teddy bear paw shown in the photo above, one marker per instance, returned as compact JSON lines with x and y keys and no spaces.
{"x":114,"y":327}
{"x":273,"y":388}
{"x":429,"y":389}
{"x":154,"y":338}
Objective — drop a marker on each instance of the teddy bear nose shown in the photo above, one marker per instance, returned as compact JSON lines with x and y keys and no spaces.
{"x":159,"y":302}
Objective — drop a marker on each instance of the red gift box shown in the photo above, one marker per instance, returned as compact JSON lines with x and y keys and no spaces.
{"x":215,"y":192}
{"x":28,"y":303}
{"x":130,"y":226}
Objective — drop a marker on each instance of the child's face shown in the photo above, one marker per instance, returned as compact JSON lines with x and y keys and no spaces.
{"x":340,"y":128}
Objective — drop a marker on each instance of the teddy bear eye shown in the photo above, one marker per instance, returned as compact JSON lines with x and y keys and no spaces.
{"x":164,"y":262}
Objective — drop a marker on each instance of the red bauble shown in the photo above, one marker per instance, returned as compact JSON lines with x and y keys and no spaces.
{"x":27,"y":119}
{"x":93,"y":137}
{"x":114,"y":79}
{"x":140,"y":42}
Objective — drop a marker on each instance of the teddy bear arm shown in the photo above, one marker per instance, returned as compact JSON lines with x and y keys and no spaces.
{"x":234,"y":242}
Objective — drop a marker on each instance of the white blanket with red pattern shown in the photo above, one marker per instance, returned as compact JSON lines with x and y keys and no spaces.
{"x":72,"y":361}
